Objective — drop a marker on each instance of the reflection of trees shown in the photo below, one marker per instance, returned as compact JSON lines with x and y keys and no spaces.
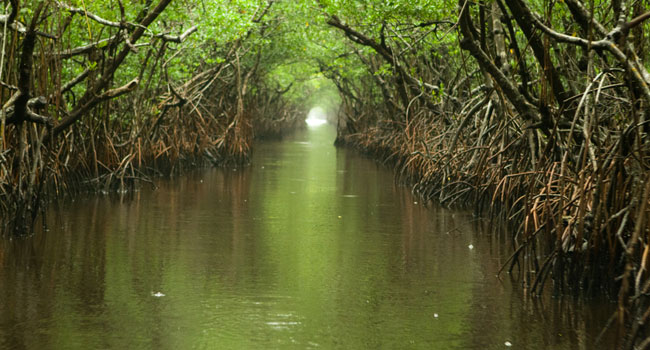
{"x":234,"y":190}
{"x":36,"y":273}
{"x":258,"y":243}
{"x":502,"y":312}
{"x":410,"y":277}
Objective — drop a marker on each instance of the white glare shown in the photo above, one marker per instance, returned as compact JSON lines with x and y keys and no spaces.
{"x":315,"y":122}
{"x":316,"y":117}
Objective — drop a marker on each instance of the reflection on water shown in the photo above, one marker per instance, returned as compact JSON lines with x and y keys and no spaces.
{"x":309,"y":247}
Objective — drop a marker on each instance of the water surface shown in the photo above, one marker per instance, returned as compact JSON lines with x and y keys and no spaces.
{"x":309,"y":247}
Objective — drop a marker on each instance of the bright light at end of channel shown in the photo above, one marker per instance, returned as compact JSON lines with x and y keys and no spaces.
{"x":316,"y":117}
{"x":315,"y":122}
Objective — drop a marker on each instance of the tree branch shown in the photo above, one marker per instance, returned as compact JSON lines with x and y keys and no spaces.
{"x":25,"y":69}
{"x":179,"y":38}
{"x":20,"y":28}
{"x":90,"y":15}
{"x":82,"y":49}
{"x":469,"y":43}
{"x":637,"y":20}
{"x":638,"y":72}
{"x":79,"y":78}
{"x":81,"y":110}
{"x":264,"y":12}
{"x":93,"y":95}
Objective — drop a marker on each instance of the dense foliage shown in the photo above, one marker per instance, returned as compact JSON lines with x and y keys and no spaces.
{"x":533,"y":110}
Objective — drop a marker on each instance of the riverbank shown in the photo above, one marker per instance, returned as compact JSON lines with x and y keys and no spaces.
{"x":112,"y":157}
{"x":549,"y":212}
{"x":309,"y":246}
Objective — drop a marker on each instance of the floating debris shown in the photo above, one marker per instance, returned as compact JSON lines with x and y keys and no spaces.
{"x":157,"y":294}
{"x":508,"y":344}
{"x":471,"y":246}
{"x":435,"y":315}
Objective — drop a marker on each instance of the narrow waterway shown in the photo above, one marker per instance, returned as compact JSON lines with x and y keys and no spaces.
{"x":309,"y":247}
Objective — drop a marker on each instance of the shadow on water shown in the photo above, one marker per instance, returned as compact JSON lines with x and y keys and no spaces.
{"x":311,"y":246}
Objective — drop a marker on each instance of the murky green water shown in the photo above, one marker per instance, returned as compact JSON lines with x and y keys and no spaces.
{"x":310,"y":247}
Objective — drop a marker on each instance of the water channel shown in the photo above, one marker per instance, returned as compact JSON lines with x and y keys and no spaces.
{"x":309,"y":247}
